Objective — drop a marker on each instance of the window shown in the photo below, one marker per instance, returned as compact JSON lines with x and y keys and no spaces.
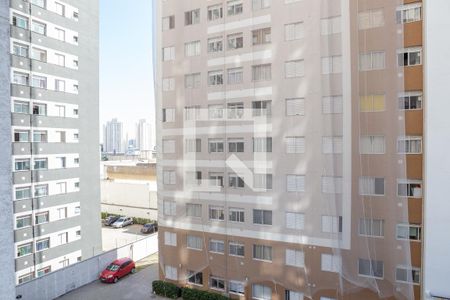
{"x":372,"y":144}
{"x":168,"y":115}
{"x":168,"y":54}
{"x":332,"y":64}
{"x":43,"y":244}
{"x":63,"y":238}
{"x":216,"y":179}
{"x":295,"y":183}
{"x":192,"y":48}
{"x":331,"y":263}
{"x":168,"y":23}
{"x":235,"y":110}
{"x":194,"y":242}
{"x":38,"y":27}
{"x":23,"y":193}
{"x":236,"y":249}
{"x":291,"y":295}
{"x":20,"y":78}
{"x":262,"y":72}
{"x":216,"y":213}
{"x":170,"y":208}
{"x":193,"y":145}
{"x":263,"y":144}
{"x":261,"y":292}
{"x":75,"y":63}
{"x":23,"y":221}
{"x":409,"y":188}
{"x":60,"y":34}
{"x":60,"y":9}
{"x":407,"y":275}
{"x":261,"y":36}
{"x":235,"y":75}
{"x":75,"y":88}
{"x":236,"y":181}
{"x":20,"y":50}
{"x":60,"y":85}
{"x":24,"y":249}
{"x":294,"y":31}
{"x":192,"y":81}
{"x":295,"y":107}
{"x":169,"y":177}
{"x":295,"y":144}
{"x":372,"y":103}
{"x":60,"y":111}
{"x":410,"y":100}
{"x":75,"y":39}
{"x":22,"y":165}
{"x":41,"y":218}
{"x":41,"y":190}
{"x":20,"y":21}
{"x":371,"y":186}
{"x":262,"y":252}
{"x":217,"y":283}
{"x":260,"y":4}
{"x":215,"y":44}
{"x":371,"y":19}
{"x":295,"y":258}
{"x":77,"y":210}
{"x":215,"y":77}
{"x":21,"y":136}
{"x":168,"y":84}
{"x":332,"y":105}
{"x":236,"y":215}
{"x":409,"y":145}
{"x":40,"y":136}
{"x":371,"y":268}
{"x":192,"y":17}
{"x":194,"y":210}
{"x":372,"y":61}
{"x":409,"y":57}
{"x":39,"y":109}
{"x":40,"y":164}
{"x":295,"y":220}
{"x":60,"y":59}
{"x":409,"y":232}
{"x":235,"y":145}
{"x":409,"y":13}
{"x":39,"y":54}
{"x":371,"y":227}
{"x":234,"y":7}
{"x":43,"y":271}
{"x":39,"y":82}
{"x":215,"y":111}
{"x":262,"y":108}
{"x":330,"y":25}
{"x":171,"y":272}
{"x":193,"y":178}
{"x":168,"y":146}
{"x":62,"y":213}
{"x":21,"y":107}
{"x":25,"y":278}
{"x":294,"y":68}
{"x":215,"y":145}
{"x":331,"y":185}
{"x":332,"y":144}
{"x":215,"y":12}
{"x":236,"y":287}
{"x":332,"y":224}
{"x":262,"y":181}
{"x":170,"y":238}
{"x":40,"y":3}
{"x":195,"y":277}
{"x":262,"y":217}
{"x":192,"y":113}
{"x":216,"y":246}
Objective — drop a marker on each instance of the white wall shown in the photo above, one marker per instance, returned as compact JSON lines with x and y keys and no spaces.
{"x":437,"y":143}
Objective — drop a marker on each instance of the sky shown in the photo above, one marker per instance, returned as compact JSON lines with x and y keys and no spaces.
{"x":126,"y":76}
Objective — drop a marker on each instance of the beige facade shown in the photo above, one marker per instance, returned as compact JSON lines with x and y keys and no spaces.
{"x":287,"y":168}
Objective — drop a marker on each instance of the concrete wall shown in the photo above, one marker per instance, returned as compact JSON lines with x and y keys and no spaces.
{"x":65,"y":280}
{"x":7,"y":277}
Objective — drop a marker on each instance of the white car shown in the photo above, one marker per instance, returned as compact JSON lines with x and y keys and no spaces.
{"x":122,"y":222}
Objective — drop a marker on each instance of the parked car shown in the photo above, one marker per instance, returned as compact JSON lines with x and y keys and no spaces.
{"x":122,"y":222}
{"x":150,"y":228}
{"x":110,"y":220}
{"x":118,"y":269}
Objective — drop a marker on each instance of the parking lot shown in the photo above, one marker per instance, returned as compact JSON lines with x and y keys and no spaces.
{"x":116,"y":237}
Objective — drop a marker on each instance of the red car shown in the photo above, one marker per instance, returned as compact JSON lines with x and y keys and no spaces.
{"x":118,"y":269}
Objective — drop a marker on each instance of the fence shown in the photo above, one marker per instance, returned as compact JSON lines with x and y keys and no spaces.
{"x":62,"y":281}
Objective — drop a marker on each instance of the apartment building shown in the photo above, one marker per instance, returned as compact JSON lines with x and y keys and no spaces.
{"x":50,"y":195}
{"x":113,"y":140}
{"x":290,"y":139}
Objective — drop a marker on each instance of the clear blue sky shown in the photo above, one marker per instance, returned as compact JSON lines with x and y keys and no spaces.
{"x":126,"y":75}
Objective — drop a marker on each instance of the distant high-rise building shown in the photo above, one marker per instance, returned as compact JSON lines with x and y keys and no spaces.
{"x":144,"y":136}
{"x":113,"y":140}
{"x":49,"y":187}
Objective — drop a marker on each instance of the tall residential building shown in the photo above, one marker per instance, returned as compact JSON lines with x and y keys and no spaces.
{"x":113,"y":140}
{"x":49,"y":175}
{"x":290,"y":139}
{"x":144,"y":136}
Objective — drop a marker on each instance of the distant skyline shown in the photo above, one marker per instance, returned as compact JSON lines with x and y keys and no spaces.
{"x":126,"y":74}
